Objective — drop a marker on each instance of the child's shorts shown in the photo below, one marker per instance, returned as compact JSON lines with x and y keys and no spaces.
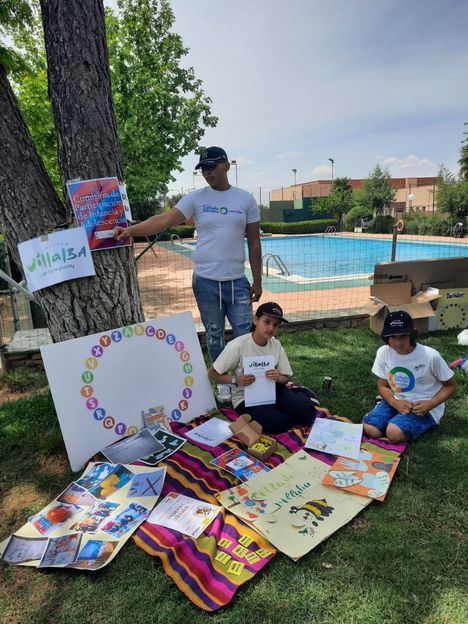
{"x":411,"y":425}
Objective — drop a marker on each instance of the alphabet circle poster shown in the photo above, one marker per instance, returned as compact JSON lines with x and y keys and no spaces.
{"x":103,"y":384}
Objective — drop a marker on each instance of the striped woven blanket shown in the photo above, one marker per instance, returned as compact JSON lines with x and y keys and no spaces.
{"x":196,"y":566}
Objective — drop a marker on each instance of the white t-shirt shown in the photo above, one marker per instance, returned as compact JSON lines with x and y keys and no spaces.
{"x":232,"y":356}
{"x":413,"y":377}
{"x":221,"y":218}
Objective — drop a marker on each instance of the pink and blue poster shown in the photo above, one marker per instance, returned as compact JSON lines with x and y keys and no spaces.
{"x":99,"y":207}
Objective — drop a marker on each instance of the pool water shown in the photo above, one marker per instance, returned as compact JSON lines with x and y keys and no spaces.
{"x":320,"y":257}
{"x":327,"y":256}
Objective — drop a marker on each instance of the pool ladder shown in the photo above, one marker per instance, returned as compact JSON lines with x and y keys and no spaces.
{"x":331,"y":229}
{"x":280,"y":264}
{"x":175,"y":238}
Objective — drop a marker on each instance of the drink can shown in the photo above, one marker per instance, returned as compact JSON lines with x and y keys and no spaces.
{"x":326,"y":383}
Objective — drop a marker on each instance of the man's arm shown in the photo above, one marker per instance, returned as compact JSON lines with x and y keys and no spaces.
{"x":153,"y":225}
{"x":255,"y":258}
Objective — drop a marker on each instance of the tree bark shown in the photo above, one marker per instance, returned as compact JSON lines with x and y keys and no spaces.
{"x":79,"y":86}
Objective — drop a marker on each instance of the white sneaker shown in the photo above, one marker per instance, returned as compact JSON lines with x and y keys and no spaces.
{"x":223,"y":393}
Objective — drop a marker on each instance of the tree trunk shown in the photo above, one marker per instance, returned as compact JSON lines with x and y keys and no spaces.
{"x":79,"y":86}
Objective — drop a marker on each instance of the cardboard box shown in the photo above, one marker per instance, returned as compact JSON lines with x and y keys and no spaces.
{"x":263,"y":449}
{"x":444,"y":273}
{"x":451,"y":311}
{"x":391,"y":296}
{"x":248,"y":431}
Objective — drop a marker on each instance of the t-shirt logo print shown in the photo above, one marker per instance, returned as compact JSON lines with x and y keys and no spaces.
{"x":223,"y":210}
{"x":401,"y":379}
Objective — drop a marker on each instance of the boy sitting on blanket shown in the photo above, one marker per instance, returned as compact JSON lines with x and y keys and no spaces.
{"x":290,"y":408}
{"x":414,"y":381}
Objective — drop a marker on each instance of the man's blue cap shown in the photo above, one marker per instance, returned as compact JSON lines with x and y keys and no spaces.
{"x":212,"y":156}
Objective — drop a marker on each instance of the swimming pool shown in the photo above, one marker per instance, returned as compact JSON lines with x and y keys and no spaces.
{"x":318,"y":257}
{"x":328,"y":256}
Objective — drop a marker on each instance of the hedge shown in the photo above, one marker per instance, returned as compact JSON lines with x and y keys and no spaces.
{"x":183,"y":231}
{"x":299,"y":227}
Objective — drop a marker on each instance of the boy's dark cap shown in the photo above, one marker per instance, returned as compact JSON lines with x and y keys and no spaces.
{"x":272,"y":309}
{"x":212,"y":156}
{"x":397,"y":324}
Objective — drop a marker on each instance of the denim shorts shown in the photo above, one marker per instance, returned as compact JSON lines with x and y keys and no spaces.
{"x":218,"y":300}
{"x":411,"y":425}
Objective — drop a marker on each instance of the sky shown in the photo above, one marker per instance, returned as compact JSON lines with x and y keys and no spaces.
{"x":297,"y":82}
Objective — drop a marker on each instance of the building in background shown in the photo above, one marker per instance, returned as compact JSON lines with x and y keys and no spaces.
{"x":292,"y":203}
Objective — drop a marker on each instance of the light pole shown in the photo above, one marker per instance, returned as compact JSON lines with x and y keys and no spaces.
{"x":411,"y":198}
{"x":234,"y":162}
{"x":194,"y":175}
{"x":295,"y":174}
{"x":332,"y":163}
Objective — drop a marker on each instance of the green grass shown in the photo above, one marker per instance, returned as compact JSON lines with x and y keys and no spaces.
{"x":402,"y":561}
{"x":23,"y":379}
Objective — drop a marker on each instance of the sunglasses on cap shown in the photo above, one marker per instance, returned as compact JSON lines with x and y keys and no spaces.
{"x":209,"y":167}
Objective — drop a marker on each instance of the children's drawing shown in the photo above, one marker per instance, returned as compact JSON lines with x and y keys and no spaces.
{"x":336,"y":437}
{"x":147,"y":483}
{"x":309,"y":515}
{"x":290,"y":507}
{"x":370,"y":475}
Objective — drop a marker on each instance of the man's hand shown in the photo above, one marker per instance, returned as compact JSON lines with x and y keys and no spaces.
{"x":422,"y":408}
{"x":245,"y":380}
{"x":121,"y":233}
{"x":256,"y":291}
{"x":403,"y":407}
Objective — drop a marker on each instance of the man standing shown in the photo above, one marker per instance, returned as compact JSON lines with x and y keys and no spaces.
{"x":223,"y":216}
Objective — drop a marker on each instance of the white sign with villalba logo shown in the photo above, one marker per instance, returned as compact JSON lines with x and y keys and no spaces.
{"x":263,"y":390}
{"x":56,"y":257}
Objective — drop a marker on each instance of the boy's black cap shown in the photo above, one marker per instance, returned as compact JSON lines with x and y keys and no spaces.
{"x":397,"y":323}
{"x":272,"y":309}
{"x":212,"y":156}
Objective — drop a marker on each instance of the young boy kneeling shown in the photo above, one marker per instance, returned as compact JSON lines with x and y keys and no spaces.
{"x":414,"y":381}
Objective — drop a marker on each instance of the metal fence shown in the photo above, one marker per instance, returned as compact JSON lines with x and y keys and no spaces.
{"x":310,"y":276}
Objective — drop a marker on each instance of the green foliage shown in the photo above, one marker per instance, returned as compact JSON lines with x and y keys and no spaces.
{"x":356,"y":215}
{"x":182,"y":231}
{"x":323,"y":206}
{"x":14,"y":15}
{"x":171,"y":201}
{"x":23,"y":378}
{"x":338,"y":203}
{"x":377,"y":192}
{"x":144,"y":209}
{"x":463,"y":162}
{"x":452,"y":196}
{"x":424,"y":224}
{"x":381,"y":224}
{"x":160,"y":106}
{"x":30,"y":84}
{"x":299,"y":227}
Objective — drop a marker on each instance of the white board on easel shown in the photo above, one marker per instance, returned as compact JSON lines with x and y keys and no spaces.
{"x":102,"y":384}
